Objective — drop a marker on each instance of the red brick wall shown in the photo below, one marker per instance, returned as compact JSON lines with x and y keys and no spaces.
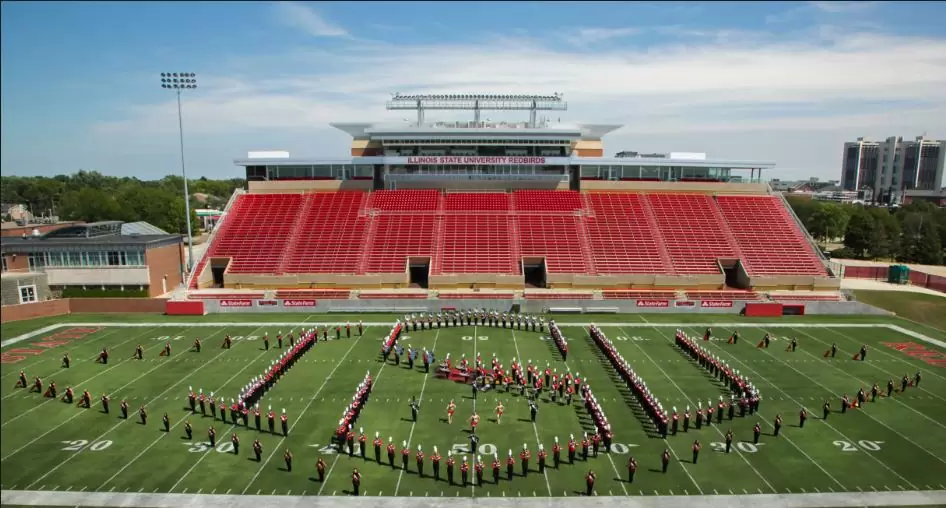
{"x":34,"y":310}
{"x":43,"y":229}
{"x":17,"y":262}
{"x":121,"y":305}
{"x":164,"y":261}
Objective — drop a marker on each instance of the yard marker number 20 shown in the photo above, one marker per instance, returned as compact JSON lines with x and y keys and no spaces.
{"x":847,"y":446}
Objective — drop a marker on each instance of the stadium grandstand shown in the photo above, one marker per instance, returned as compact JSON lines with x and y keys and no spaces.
{"x":516,"y":208}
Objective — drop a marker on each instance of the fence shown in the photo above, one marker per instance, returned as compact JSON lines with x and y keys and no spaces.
{"x":919,"y":279}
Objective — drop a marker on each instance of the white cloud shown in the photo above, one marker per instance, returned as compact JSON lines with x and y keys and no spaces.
{"x":584,"y":36}
{"x":834,"y":82}
{"x":307,"y":19}
{"x":837,"y":7}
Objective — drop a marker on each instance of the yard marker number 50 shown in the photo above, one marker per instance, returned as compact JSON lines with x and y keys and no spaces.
{"x":847,"y":446}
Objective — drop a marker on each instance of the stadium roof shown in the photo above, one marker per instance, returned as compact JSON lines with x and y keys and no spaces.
{"x":463,"y":129}
{"x":104,"y":233}
{"x":576,"y":161}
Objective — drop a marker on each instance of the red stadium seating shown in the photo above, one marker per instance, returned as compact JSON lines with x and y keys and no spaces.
{"x":397,"y":237}
{"x":405,"y":200}
{"x":622,"y":236}
{"x":770,"y":240}
{"x":225,"y":296}
{"x":330,"y":236}
{"x":257,"y":230}
{"x":693,"y":235}
{"x":554,"y":237}
{"x":316,"y":294}
{"x":557,"y":296}
{"x":477,"y":202}
{"x":638,"y":295}
{"x":546,"y":201}
{"x":598,"y":233}
{"x":723,"y":295}
{"x":480,"y":296}
{"x":474,"y":243}
{"x":392,"y":296}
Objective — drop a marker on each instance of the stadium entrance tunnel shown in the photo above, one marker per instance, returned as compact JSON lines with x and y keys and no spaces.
{"x":419,"y":272}
{"x":533,"y":270}
{"x":217,"y":268}
{"x":735,"y":273}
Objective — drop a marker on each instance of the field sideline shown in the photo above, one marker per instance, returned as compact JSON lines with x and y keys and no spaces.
{"x":892,"y":452}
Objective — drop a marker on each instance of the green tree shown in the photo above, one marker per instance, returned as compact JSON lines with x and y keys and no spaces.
{"x":828,"y":221}
{"x":921,"y":241}
{"x":802,"y":206}
{"x":859,"y":232}
{"x":885,"y":242}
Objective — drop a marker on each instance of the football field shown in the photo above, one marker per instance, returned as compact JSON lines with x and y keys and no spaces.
{"x":885,"y":450}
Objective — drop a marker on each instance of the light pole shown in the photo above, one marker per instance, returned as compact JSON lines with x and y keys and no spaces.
{"x":178,"y":81}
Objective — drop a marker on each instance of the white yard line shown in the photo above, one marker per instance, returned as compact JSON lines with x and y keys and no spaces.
{"x":306,"y":408}
{"x":159,"y":365}
{"x":162,"y":436}
{"x":789,"y":397}
{"x":14,"y":369}
{"x":863,"y":383}
{"x":823,"y":470}
{"x":76,"y":387}
{"x":687,"y":398}
{"x":900,"y":358}
{"x":338,"y":455}
{"x":61,"y":498}
{"x":536,"y":429}
{"x":421,"y":399}
{"x":80,"y":413}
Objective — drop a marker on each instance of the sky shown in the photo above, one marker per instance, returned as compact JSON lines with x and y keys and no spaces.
{"x":775,"y":81}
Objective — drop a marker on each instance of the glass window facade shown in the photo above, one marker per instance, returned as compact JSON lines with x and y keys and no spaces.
{"x":80,"y":259}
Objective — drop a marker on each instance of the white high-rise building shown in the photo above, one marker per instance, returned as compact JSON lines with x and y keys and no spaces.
{"x":888,"y":168}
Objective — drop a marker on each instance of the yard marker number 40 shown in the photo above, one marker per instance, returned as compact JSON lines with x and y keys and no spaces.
{"x":847,"y":446}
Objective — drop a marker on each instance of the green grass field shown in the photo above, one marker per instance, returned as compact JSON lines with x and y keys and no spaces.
{"x":895,"y":444}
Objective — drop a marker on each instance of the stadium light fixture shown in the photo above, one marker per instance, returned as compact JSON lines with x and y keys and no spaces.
{"x":179,"y":81}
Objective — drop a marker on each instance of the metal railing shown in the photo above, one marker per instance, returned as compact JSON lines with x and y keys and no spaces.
{"x":195,"y":263}
{"x":811,"y":240}
{"x":414,"y":177}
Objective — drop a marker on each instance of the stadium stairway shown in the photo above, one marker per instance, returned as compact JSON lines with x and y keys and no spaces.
{"x":490,"y":232}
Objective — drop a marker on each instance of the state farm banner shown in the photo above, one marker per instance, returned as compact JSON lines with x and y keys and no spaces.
{"x":510,"y":160}
{"x":716,"y":304}
{"x":653,"y":303}
{"x":298,"y":303}
{"x":236,"y":303}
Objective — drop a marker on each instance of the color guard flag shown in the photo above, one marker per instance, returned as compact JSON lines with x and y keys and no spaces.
{"x":854,"y":357}
{"x":827,"y":353}
{"x":761,"y":343}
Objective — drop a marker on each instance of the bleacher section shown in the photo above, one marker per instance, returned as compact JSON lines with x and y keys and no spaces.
{"x":330,"y":235}
{"x":621,"y":236}
{"x":257,"y":231}
{"x":396,"y":238}
{"x":315,"y":294}
{"x":770,"y":241}
{"x":475,"y":243}
{"x":595,"y":234}
{"x":693,"y":239}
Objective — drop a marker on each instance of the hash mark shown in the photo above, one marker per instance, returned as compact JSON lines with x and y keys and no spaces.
{"x":273,"y":492}
{"x":888,"y":488}
{"x":68,"y":489}
{"x":184,"y":491}
{"x":56,"y":488}
{"x":126,"y":489}
{"x":258,"y":491}
{"x":816,"y":490}
{"x":333,"y":492}
{"x":802,"y":491}
{"x":873,"y":488}
{"x":744,"y":491}
{"x":43,"y":485}
{"x":900,"y":486}
{"x":288,"y":492}
{"x":83,"y":488}
{"x":214,"y":491}
{"x":731,"y":492}
{"x":228,"y":491}
{"x":110,"y":490}
{"x":200,"y":490}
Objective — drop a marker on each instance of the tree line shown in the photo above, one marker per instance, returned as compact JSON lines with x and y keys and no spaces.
{"x":913,"y":233}
{"x":91,"y":196}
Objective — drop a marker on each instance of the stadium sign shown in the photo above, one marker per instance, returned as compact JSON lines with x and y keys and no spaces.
{"x":267,"y":303}
{"x":298,"y":303}
{"x":653,"y":303}
{"x":716,"y":304}
{"x":684,"y":303}
{"x":236,"y":303}
{"x":480,"y":160}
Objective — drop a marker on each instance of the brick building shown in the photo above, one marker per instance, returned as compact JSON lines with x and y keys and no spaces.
{"x":99,"y":259}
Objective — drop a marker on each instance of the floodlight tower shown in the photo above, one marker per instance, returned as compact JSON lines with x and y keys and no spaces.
{"x":178,"y":81}
{"x":477,"y":103}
